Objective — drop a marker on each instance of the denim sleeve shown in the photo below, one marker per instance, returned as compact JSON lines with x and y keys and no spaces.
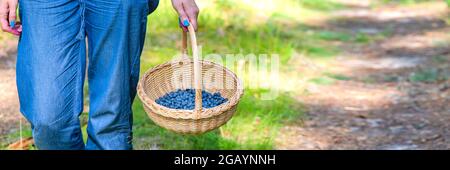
{"x":152,"y":5}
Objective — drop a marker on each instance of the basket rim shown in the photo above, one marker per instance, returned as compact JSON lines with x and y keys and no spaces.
{"x":188,"y":114}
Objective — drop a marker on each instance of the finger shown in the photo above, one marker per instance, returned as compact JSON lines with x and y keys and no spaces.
{"x":4,"y":17}
{"x":192,"y":12}
{"x":5,"y":25}
{"x":183,"y":16}
{"x":12,"y":14}
{"x":184,"y":19}
{"x":17,"y":30}
{"x":181,"y":25}
{"x":20,"y":28}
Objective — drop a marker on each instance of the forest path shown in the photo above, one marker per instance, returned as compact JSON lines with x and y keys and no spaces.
{"x":393,"y":92}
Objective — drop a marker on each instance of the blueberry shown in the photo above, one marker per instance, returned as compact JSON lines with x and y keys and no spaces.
{"x":185,"y":99}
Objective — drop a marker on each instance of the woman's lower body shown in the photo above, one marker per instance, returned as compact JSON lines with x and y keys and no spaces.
{"x":51,"y":67}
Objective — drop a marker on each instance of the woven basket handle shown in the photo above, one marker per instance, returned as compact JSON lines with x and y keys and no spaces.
{"x":197,"y":67}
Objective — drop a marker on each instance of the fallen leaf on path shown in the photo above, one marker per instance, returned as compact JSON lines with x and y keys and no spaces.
{"x":23,"y":144}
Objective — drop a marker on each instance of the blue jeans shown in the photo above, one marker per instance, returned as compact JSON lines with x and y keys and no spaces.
{"x":51,"y":68}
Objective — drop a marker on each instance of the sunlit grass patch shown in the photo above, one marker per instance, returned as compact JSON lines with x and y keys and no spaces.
{"x":333,"y":36}
{"x":155,"y":56}
{"x":328,"y":78}
{"x":319,"y":51}
{"x":322,"y":81}
{"x":324,"y":5}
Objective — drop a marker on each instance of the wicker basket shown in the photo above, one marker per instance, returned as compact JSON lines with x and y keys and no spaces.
{"x":190,"y":73}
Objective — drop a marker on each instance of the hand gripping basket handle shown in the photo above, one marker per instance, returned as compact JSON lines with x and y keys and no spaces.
{"x":197,"y":67}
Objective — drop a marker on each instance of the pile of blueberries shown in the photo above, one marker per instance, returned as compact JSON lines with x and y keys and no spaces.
{"x":185,"y":99}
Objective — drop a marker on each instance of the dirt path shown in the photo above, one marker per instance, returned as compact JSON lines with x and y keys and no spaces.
{"x":396,"y":97}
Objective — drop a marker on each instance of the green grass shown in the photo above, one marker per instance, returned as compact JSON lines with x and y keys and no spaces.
{"x":333,"y":36}
{"x":338,"y":76}
{"x":440,"y":59}
{"x":322,"y":81}
{"x":328,"y":78}
{"x":324,"y":5}
{"x":428,"y":75}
